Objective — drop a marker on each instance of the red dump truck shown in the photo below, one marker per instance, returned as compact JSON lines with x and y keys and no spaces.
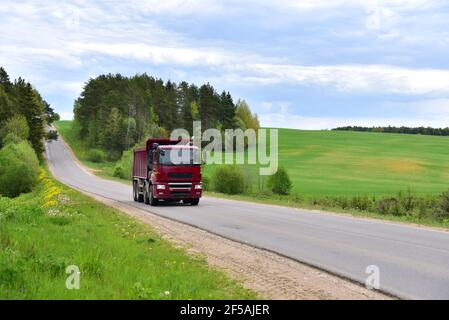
{"x":167,"y":170}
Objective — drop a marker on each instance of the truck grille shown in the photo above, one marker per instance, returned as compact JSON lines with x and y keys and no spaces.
{"x":174,"y":186}
{"x":180,"y":175}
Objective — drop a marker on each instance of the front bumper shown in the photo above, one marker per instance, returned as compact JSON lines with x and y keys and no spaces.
{"x":177,"y":190}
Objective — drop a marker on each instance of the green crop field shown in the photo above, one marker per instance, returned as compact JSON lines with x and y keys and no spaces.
{"x":341,"y":163}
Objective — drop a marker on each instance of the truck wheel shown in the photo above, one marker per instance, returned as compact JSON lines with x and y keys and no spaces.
{"x":194,"y":202}
{"x":140,"y":198}
{"x":146,"y":198}
{"x":153,"y":201}
{"x":135,"y":192}
{"x":139,"y":195}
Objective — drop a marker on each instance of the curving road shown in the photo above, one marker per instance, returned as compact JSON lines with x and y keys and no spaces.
{"x":413,"y":262}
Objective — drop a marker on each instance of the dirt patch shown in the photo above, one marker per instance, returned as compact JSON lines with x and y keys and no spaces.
{"x":392,"y":165}
{"x":405,"y":166}
{"x":269,"y":274}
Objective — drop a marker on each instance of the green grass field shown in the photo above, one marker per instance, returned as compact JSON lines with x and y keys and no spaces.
{"x":43,"y":232}
{"x":336,"y":163}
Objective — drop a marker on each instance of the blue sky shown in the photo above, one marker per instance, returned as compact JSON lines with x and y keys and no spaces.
{"x":311,"y":64}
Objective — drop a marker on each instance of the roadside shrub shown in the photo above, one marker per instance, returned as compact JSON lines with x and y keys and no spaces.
{"x":206,"y":183}
{"x":11,"y":138}
{"x":248,"y":180}
{"x":123,"y":168}
{"x":297,"y":198}
{"x":229,"y":179}
{"x":16,"y":125}
{"x":118,"y":171}
{"x":19,"y":169}
{"x":442,"y":210}
{"x":96,"y":155}
{"x":390,"y":206}
{"x":279,"y":182}
{"x":361,"y":203}
{"x":407,"y":201}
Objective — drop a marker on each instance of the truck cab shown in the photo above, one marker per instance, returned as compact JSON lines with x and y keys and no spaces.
{"x":167,"y":170}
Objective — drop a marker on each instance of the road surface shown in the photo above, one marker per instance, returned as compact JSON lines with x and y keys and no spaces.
{"x":413,"y":262}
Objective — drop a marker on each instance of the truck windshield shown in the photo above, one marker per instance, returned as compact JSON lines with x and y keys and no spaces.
{"x":180,"y":157}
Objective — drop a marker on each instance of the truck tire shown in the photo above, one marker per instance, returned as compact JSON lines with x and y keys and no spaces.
{"x":139,"y":195}
{"x":135,"y":191}
{"x":146,"y":197}
{"x":194,"y":202}
{"x":153,"y":201}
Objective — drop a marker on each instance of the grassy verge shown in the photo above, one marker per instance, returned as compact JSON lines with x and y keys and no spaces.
{"x":293,"y":201}
{"x":44,"y":232}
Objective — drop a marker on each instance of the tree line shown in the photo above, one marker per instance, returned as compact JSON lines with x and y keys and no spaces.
{"x":404,"y":130}
{"x":23,"y":112}
{"x":23,"y":116}
{"x":113,"y":112}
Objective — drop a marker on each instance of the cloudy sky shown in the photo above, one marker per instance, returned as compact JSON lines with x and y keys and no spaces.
{"x":309,"y":64}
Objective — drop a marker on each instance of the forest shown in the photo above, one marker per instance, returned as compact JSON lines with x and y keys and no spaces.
{"x":404,"y":130}
{"x":114,"y":112}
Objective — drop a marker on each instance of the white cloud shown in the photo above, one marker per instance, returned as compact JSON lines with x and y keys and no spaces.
{"x":434,"y":107}
{"x":43,"y":42}
{"x":66,"y":115}
{"x":179,"y":7}
{"x":183,"y":56}
{"x":430,"y":112}
{"x":314,"y":5}
{"x":352,"y":78}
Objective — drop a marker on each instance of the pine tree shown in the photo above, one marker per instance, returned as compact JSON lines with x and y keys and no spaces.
{"x":206,"y":106}
{"x":228,"y":110}
{"x":32,"y":108}
{"x":171,"y":106}
{"x":185,"y":112}
{"x":4,"y":80}
{"x":8,"y":105}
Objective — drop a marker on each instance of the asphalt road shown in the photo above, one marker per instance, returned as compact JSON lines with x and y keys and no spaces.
{"x":413,"y":262}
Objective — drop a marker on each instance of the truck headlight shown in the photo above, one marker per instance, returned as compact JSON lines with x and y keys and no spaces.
{"x":160,"y":186}
{"x":198,"y":187}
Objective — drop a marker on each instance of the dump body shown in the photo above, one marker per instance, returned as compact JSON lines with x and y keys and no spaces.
{"x":140,"y":163}
{"x":157,"y":177}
